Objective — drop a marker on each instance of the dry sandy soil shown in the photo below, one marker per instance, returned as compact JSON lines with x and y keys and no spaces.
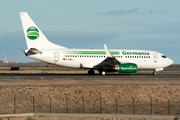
{"x":82,"y":118}
{"x":140,"y":88}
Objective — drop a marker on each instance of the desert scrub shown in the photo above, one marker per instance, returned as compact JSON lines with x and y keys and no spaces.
{"x":29,"y":118}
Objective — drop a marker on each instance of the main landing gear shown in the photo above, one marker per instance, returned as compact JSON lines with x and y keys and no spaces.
{"x":91,"y":72}
{"x":101,"y":72}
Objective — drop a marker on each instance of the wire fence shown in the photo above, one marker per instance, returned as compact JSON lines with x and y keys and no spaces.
{"x":82,"y":105}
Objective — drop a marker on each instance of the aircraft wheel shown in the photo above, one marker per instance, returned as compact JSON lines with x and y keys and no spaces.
{"x":91,"y":72}
{"x":103,"y":73}
{"x":154,"y":73}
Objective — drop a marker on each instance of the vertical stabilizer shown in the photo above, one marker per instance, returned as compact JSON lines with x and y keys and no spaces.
{"x":34,"y":36}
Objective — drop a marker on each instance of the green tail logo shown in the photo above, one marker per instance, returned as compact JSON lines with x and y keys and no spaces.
{"x":32,"y":33}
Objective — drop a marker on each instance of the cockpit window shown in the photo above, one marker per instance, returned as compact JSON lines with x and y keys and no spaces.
{"x":163,"y":56}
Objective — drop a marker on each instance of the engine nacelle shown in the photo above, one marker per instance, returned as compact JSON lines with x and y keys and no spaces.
{"x":126,"y":68}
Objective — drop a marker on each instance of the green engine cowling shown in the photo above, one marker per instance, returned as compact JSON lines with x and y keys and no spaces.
{"x":127,"y":68}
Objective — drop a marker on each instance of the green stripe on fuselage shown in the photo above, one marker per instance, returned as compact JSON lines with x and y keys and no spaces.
{"x":91,"y":52}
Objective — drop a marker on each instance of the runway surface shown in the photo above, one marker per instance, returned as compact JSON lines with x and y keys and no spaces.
{"x":85,"y":75}
{"x":84,"y":79}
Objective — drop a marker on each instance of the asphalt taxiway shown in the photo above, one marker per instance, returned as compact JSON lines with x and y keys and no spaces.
{"x":84,"y":79}
{"x":85,"y":75}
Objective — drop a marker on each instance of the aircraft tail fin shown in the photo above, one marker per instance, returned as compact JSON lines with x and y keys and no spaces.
{"x":34,"y":36}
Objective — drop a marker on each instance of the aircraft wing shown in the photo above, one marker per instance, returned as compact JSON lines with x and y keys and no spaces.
{"x":110,"y":61}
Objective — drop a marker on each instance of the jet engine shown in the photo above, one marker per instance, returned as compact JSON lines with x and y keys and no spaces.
{"x":126,"y":68}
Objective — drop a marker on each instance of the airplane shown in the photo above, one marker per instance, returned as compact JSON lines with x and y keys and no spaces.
{"x":103,"y":60}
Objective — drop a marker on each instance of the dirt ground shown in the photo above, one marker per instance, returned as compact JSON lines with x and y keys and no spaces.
{"x":71,"y":94}
{"x":61,"y":95}
{"x":82,"y":118}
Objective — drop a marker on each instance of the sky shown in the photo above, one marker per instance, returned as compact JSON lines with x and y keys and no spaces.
{"x":120,"y":24}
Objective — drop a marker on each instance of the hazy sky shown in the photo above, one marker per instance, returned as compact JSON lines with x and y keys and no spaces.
{"x":121,"y":24}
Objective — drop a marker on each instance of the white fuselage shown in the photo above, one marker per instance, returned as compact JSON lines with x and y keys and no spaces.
{"x":88,"y":58}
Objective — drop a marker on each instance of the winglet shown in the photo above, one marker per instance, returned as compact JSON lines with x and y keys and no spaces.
{"x":108,"y":53}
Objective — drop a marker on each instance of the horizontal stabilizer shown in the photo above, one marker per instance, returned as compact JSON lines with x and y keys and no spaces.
{"x":33,"y":51}
{"x":16,"y":49}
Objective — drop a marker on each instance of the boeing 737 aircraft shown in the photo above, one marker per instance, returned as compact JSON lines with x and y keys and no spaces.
{"x":103,"y":60}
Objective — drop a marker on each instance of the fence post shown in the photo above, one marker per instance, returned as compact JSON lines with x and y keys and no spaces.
{"x":66,"y":104}
{"x":14,"y":105}
{"x":50,"y":103}
{"x":168,"y":106}
{"x":33,"y":104}
{"x":100,"y":105}
{"x":133,"y":105}
{"x":116,"y":105}
{"x":83,"y":105}
{"x":151,"y":106}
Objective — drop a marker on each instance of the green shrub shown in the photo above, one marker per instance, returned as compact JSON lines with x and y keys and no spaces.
{"x":176,"y":118}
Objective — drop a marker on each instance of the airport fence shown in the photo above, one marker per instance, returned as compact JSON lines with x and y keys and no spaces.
{"x":98,"y":105}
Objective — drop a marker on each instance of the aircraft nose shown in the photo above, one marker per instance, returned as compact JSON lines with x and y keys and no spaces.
{"x":170,"y":61}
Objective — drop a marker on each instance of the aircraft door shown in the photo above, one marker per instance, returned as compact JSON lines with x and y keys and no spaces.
{"x":155,"y":57}
{"x":56,"y":56}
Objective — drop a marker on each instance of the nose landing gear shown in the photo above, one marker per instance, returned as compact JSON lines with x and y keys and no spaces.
{"x":154,"y":73}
